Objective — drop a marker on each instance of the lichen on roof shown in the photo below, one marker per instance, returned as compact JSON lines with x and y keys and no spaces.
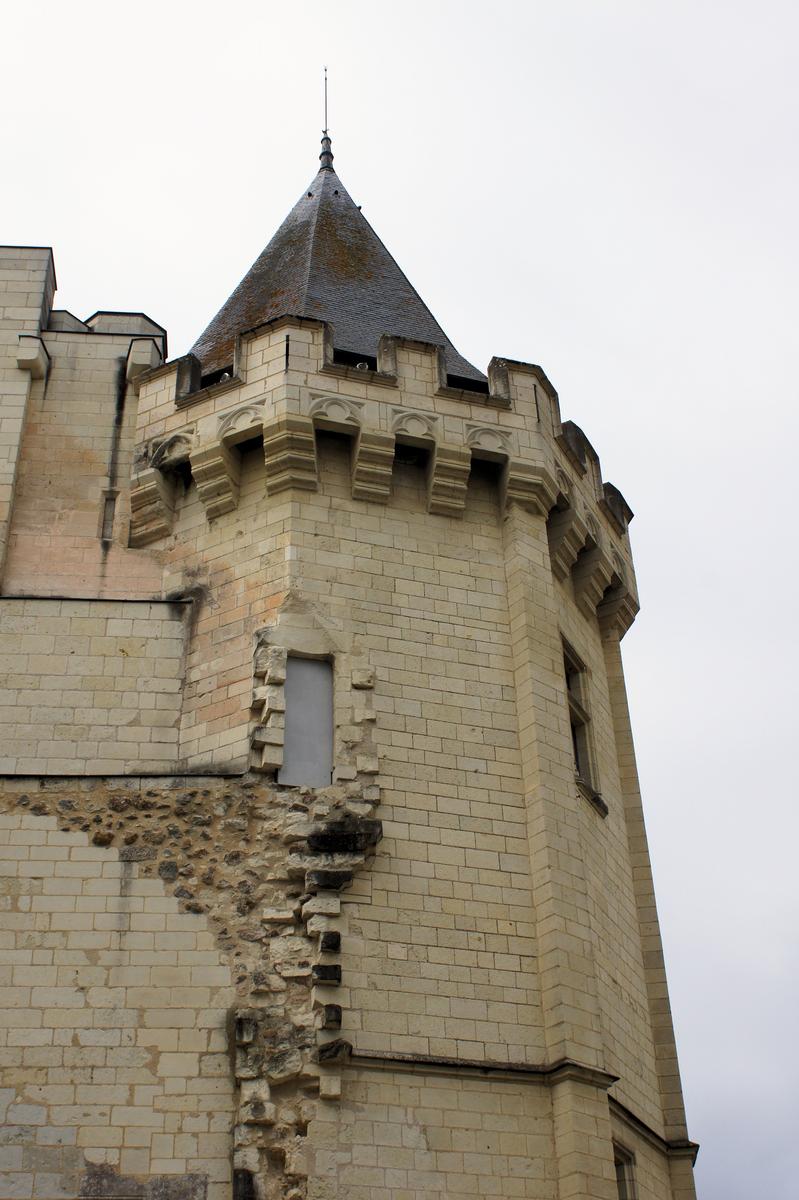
{"x":326,"y":262}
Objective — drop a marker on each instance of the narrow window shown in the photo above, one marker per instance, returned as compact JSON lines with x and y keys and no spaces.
{"x":625,"y":1178}
{"x":109,"y":511}
{"x":308,"y":746}
{"x":580,"y":722}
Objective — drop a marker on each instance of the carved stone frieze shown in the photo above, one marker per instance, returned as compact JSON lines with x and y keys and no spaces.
{"x":171,"y":452}
{"x":489,"y":441}
{"x":240,"y":424}
{"x":337,"y":413}
{"x":414,"y":426}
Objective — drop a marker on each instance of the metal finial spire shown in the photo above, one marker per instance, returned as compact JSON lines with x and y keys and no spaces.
{"x":326,"y":157}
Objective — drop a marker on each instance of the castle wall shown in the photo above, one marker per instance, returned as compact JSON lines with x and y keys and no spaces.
{"x":114,"y":1046}
{"x":90,"y":687}
{"x":437,"y":548}
{"x":433,"y":1134}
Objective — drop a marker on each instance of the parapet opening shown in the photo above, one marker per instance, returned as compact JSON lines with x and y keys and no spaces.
{"x":351,"y":358}
{"x":333,"y":457}
{"x":468,"y":385}
{"x":484,"y":487}
{"x":220,"y":376}
{"x":407,"y":455}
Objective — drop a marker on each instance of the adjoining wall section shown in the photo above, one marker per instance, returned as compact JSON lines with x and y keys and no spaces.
{"x":114,"y":1071}
{"x":91,"y":687}
{"x":421,"y":1133}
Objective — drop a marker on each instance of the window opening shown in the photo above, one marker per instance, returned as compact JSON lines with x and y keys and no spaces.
{"x":580,"y":723}
{"x":308,"y":743}
{"x":623,"y":1161}
{"x":109,"y":511}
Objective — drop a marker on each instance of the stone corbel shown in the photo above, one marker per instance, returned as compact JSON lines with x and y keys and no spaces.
{"x":591,"y":576}
{"x":528,"y":485}
{"x":215,"y":469}
{"x":152,"y":507}
{"x":617,"y":611}
{"x":32,"y":356}
{"x":567,"y":533}
{"x":448,"y":478}
{"x":143,"y":355}
{"x":290,"y":454}
{"x":372,"y":464}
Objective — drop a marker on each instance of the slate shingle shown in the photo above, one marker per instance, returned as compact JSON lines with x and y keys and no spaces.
{"x":326,"y":261}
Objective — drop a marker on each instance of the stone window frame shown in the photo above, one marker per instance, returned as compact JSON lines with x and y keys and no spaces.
{"x":576,"y":677}
{"x":294,"y":634}
{"x":624,"y":1165}
{"x":322,"y":660}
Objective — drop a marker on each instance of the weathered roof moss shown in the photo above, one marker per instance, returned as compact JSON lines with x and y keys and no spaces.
{"x":326,"y":262}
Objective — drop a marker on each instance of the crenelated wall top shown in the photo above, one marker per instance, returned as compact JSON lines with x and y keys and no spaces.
{"x":285,"y":384}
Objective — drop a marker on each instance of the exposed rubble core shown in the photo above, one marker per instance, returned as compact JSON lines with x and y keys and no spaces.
{"x":266,"y":865}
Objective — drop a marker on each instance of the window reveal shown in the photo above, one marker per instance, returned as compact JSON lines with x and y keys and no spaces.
{"x":308,"y":746}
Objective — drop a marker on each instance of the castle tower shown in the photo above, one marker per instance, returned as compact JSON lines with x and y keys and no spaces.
{"x":326,"y":873}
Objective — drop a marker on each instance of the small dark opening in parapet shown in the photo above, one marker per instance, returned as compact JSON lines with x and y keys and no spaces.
{"x":220,"y":376}
{"x":351,"y":358}
{"x":468,"y":385}
{"x":487,"y":471}
{"x":411,"y":456}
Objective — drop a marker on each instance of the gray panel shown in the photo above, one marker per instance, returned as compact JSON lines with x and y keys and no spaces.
{"x":308,"y":750}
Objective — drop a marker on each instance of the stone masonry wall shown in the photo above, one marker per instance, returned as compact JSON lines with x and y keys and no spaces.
{"x":401,"y":533}
{"x":90,"y":687}
{"x":114,"y":1007}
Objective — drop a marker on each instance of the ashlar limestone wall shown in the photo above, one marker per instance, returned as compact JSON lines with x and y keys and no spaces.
{"x":113,"y":1027}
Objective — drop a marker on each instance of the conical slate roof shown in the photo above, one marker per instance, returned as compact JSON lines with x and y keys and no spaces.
{"x":326,"y":262}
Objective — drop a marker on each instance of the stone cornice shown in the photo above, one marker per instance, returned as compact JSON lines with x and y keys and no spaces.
{"x":549,"y":1074}
{"x":674,"y":1148}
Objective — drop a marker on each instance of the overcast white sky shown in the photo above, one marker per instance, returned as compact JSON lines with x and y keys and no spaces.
{"x":609,"y":189}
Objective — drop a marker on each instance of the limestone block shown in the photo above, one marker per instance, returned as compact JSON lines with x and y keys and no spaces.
{"x":449,"y":476}
{"x":617,"y":610}
{"x":152,"y":507}
{"x":216,"y":473}
{"x":591,"y":576}
{"x":143,"y":355}
{"x":363,"y":677}
{"x":372,"y":464}
{"x":567,"y":532}
{"x":32,"y":356}
{"x":290,"y":454}
{"x":530,"y":486}
{"x":330,"y":1087}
